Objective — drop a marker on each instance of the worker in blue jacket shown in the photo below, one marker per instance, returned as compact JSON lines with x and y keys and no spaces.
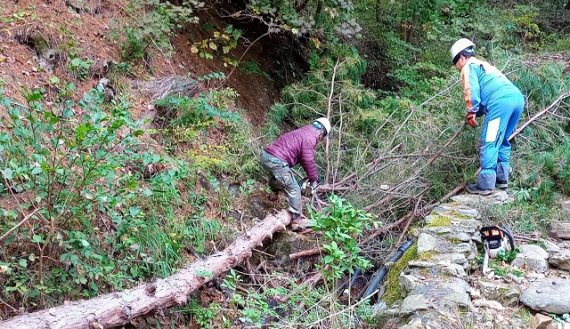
{"x":488,"y":92}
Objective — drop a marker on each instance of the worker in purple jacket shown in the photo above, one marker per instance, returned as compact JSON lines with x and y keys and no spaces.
{"x":297,"y":146}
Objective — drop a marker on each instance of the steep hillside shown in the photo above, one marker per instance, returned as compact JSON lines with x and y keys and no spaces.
{"x":73,"y":59}
{"x":42,"y":40}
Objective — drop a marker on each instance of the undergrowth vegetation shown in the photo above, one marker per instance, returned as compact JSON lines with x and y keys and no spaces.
{"x":340,"y":224}
{"x":102,"y":210}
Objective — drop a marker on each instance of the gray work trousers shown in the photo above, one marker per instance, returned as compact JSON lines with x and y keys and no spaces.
{"x":281,"y":179}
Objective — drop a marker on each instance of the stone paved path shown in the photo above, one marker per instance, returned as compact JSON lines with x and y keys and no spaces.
{"x":443,"y":286}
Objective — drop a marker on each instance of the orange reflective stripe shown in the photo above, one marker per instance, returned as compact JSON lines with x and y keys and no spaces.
{"x":466,"y":86}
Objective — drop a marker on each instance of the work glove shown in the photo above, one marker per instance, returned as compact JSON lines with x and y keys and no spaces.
{"x":470,"y":119}
{"x":314,"y":186}
{"x":306,"y":187}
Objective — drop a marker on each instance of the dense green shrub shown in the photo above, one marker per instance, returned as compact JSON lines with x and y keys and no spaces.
{"x":341,"y":224}
{"x":104,"y":218}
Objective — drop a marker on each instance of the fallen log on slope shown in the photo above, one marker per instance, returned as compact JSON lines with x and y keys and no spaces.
{"x":118,"y":308}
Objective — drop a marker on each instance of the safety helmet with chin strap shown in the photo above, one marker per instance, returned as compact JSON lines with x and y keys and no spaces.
{"x":324,"y":123}
{"x":459,"y":46}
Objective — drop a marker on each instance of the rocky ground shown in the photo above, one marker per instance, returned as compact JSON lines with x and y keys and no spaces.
{"x":443,"y":287}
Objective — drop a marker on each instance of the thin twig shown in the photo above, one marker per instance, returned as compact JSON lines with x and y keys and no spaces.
{"x":263,"y":253}
{"x":371,"y":169}
{"x":10,"y":306}
{"x":386,"y":228}
{"x":26,"y":218}
{"x":539,"y":114}
{"x":339,"y":144}
{"x":401,"y":238}
{"x":343,"y":310}
{"x":416,"y":173}
{"x":329,"y":109}
{"x":241,"y":57}
{"x":306,"y":253}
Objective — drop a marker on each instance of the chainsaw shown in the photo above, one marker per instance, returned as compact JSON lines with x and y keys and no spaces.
{"x":495,"y":239}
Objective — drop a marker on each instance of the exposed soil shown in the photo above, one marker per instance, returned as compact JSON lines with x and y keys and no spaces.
{"x":257,"y":91}
{"x":64,"y":29}
{"x":89,"y":35}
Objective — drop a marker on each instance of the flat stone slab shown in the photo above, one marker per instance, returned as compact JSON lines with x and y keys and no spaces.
{"x":439,"y":230}
{"x":451,"y":258}
{"x":475,"y":201}
{"x":421,"y":263}
{"x":414,"y":303}
{"x":457,"y":214}
{"x":549,"y":295}
{"x":532,"y":257}
{"x":471,"y":226}
{"x":408,"y":282}
{"x":540,"y":321}
{"x":460,"y":236}
{"x":463,"y":248}
{"x":550,"y":246}
{"x":446,"y":294}
{"x":501,"y":292}
{"x":459,"y":208}
{"x":444,"y":223}
{"x":560,"y":230}
{"x":426,"y":243}
{"x":493,"y":304}
{"x":560,"y":259}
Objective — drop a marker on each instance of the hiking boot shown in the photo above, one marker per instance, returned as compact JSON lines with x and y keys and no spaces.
{"x":502,"y":184}
{"x":294,"y":216}
{"x":473,"y":189}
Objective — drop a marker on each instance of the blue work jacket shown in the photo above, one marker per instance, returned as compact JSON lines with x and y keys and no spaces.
{"x":482,"y":84}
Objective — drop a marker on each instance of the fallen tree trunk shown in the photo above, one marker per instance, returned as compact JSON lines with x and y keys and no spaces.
{"x":118,"y":308}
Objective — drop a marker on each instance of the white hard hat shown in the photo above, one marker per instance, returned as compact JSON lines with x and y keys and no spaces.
{"x":325,"y":123}
{"x":459,"y":46}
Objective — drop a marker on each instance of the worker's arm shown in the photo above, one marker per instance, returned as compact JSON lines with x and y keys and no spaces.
{"x":471,"y":88}
{"x":308,"y":160}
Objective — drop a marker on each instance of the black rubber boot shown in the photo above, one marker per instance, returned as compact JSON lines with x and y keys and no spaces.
{"x":502,"y":184}
{"x":473,"y":189}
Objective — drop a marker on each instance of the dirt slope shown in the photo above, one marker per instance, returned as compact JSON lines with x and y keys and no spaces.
{"x":92,"y":34}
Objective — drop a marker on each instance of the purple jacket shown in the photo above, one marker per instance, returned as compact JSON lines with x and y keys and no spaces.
{"x":298,"y":146}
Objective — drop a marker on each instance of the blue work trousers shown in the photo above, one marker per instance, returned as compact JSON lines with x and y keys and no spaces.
{"x":500,"y":122}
